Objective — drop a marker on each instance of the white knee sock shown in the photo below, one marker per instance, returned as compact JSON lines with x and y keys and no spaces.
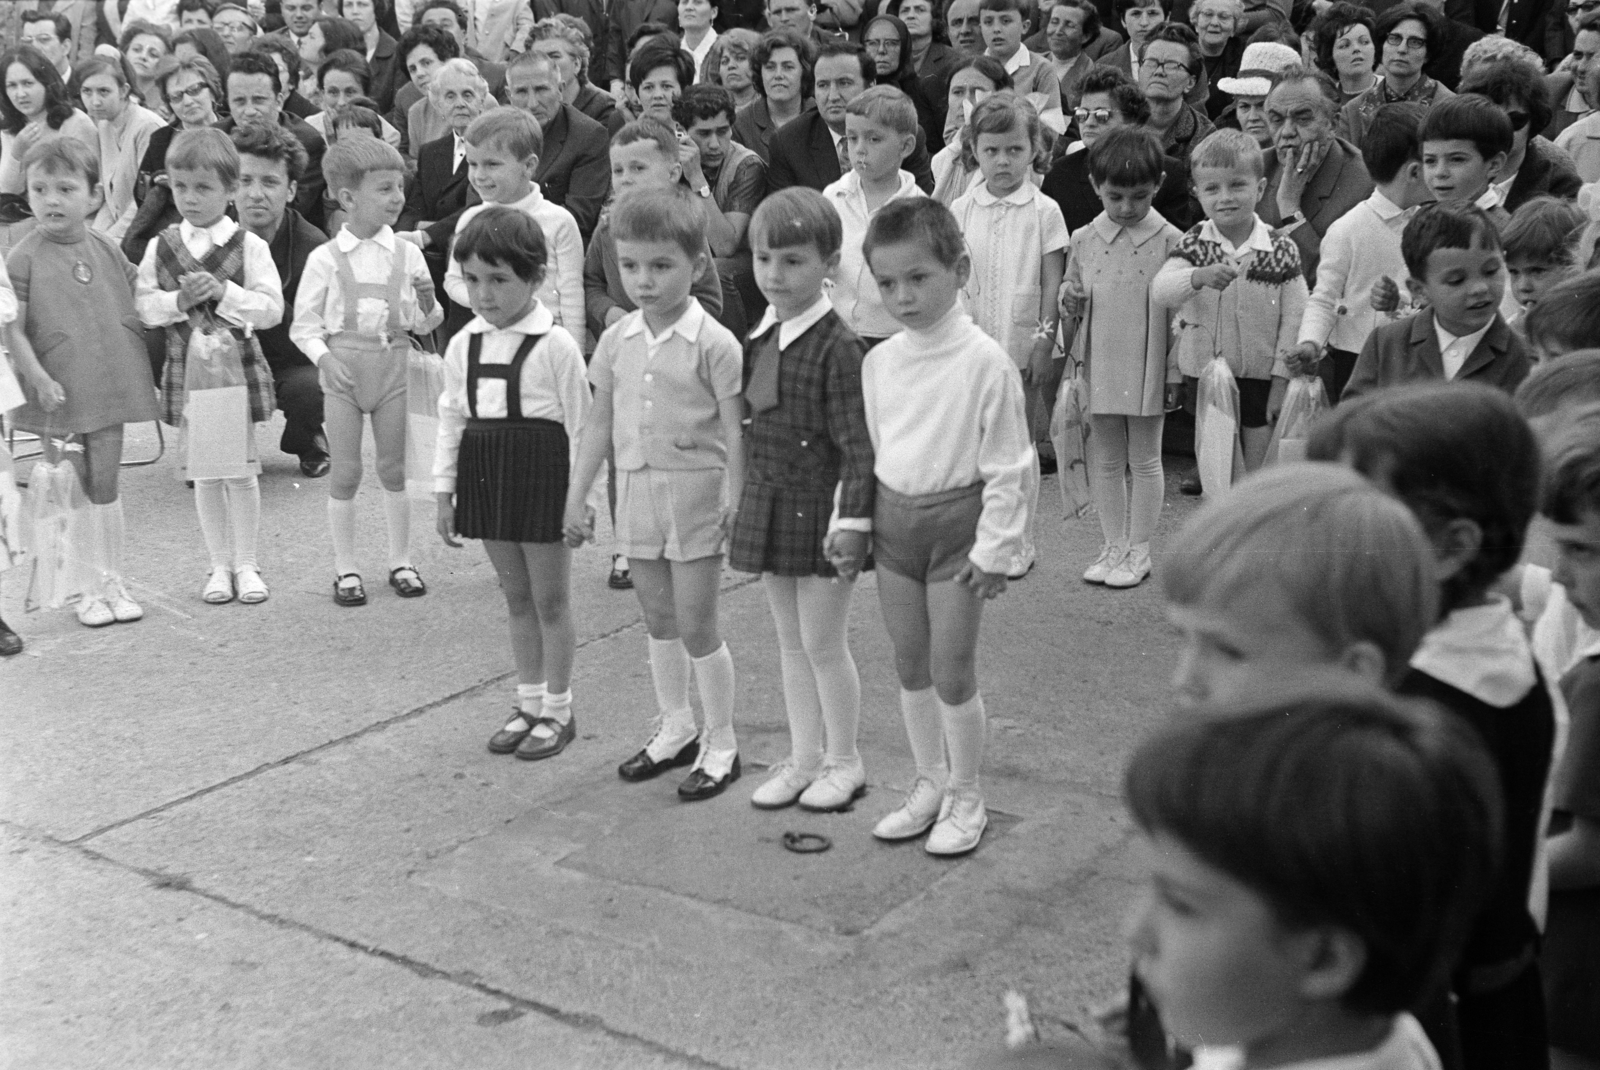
{"x":713,"y":675}
{"x":244,"y":514}
{"x":111,"y":538}
{"x":669,"y":671}
{"x":801,"y":702}
{"x":397,"y":510}
{"x":85,"y":568}
{"x":839,"y":685}
{"x":964,"y":727}
{"x":921,"y":712}
{"x":211,"y":502}
{"x":342,"y":526}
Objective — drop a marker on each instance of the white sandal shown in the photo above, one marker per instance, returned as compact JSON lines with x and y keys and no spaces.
{"x":252,"y":589}
{"x":218,"y":590}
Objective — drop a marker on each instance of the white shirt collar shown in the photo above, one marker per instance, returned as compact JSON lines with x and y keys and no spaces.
{"x":537,"y":321}
{"x":1023,"y":194}
{"x":687,"y":325}
{"x":1502,"y":189}
{"x":347,"y":241}
{"x":1481,"y":650}
{"x":849,"y":186}
{"x":219,"y":232}
{"x":1260,"y":239}
{"x":1384,"y":207}
{"x":1489,"y":198}
{"x":1469,"y":342}
{"x":1019,"y":59}
{"x":790,"y":329}
{"x":1139,"y":233}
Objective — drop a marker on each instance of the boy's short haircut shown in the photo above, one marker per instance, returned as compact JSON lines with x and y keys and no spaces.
{"x":1127,"y":156}
{"x":886,"y":106}
{"x":361,"y":113}
{"x":1340,"y":805}
{"x":509,"y":129}
{"x":1450,"y":451}
{"x":917,"y":219}
{"x":1021,"y":7}
{"x":1567,"y":317}
{"x":57,"y":154}
{"x":207,"y":149}
{"x":1469,"y":117}
{"x":1445,"y":225}
{"x":347,"y":163}
{"x":1572,"y":468}
{"x":701,"y":102}
{"x":1391,"y":141}
{"x":647,"y":128}
{"x":271,"y":143}
{"x":505,"y":237}
{"x":1228,"y":148}
{"x":797,"y":215}
{"x":661,"y":215}
{"x":1351,"y":561}
{"x":1570,"y":380}
{"x":1544,"y":230}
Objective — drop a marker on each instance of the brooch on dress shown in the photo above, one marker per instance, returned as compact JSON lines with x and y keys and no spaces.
{"x":81,"y":272}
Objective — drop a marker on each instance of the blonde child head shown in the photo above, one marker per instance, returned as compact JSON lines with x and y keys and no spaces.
{"x":347,"y":163}
{"x":880,"y":132}
{"x":1001,"y":118}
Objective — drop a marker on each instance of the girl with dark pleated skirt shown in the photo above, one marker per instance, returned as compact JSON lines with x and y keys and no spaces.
{"x":515,"y":398}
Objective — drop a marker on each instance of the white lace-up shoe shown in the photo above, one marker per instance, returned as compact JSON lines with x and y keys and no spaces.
{"x":1110,"y":557}
{"x":782,"y":788}
{"x":840,"y":784}
{"x":962,"y":820}
{"x":916,"y":814}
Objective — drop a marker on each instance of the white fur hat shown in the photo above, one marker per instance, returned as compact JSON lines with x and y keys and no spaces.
{"x":1261,"y":62}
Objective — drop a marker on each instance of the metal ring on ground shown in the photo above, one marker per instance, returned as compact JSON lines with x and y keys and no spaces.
{"x":806,"y":843}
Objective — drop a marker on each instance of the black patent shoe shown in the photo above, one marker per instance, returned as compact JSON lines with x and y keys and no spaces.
{"x":534,"y":747}
{"x":10,"y":641}
{"x":702,"y":785}
{"x":642,"y":767}
{"x":1190,"y":485}
{"x":508,"y":739}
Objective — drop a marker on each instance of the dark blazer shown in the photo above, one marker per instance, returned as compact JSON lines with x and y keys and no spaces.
{"x":752,"y":128}
{"x":624,"y":17}
{"x":802,"y":153}
{"x":437,"y":195}
{"x":601,"y":107}
{"x":575,"y":166}
{"x":1545,"y":169}
{"x":387,"y":73}
{"x":290,"y":248}
{"x":1339,"y":185}
{"x":1407,"y":351}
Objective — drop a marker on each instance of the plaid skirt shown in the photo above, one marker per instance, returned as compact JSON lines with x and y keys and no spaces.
{"x":511,"y":480}
{"x":780,"y":530}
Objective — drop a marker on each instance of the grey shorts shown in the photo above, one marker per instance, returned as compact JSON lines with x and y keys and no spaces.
{"x":926,"y":537}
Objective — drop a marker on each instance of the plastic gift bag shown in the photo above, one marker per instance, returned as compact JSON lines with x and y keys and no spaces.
{"x":1069,"y":434}
{"x":218,"y":438}
{"x":1216,"y":427}
{"x":12,"y":546}
{"x":1303,"y":401}
{"x":424,"y":384}
{"x":56,"y":517}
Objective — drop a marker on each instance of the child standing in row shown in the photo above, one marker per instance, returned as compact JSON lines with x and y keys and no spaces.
{"x":1238,"y":290}
{"x":359,"y":295}
{"x":80,"y":350}
{"x":1018,"y":240}
{"x":211,"y":285}
{"x":808,"y":439}
{"x":949,"y":429}
{"x":667,"y":379}
{"x":1122,"y":341}
{"x":510,"y":419}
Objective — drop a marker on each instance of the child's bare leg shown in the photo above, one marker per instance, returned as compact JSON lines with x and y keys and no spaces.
{"x":669,"y":661}
{"x":955,"y":613}
{"x":389,"y":438}
{"x":549,"y":567}
{"x":102,"y":464}
{"x":527,"y":640}
{"x":694,"y":589}
{"x":342,"y":424}
{"x":904,"y":602}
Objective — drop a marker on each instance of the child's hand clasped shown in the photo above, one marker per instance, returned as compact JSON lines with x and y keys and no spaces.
{"x":846,"y":552}
{"x":1216,"y":276}
{"x":446,"y":520}
{"x":578,"y":525}
{"x":1303,"y":359}
{"x":984,"y":584}
{"x":1385,"y":295}
{"x":198,"y":287}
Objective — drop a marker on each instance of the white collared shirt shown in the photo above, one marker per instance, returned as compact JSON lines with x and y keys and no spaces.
{"x":1490,"y":198}
{"x":256,"y":305}
{"x":1455,"y":349}
{"x":1152,"y":224}
{"x":457,"y":153}
{"x":1481,"y":650}
{"x":859,"y":304}
{"x":561,"y":289}
{"x":1008,"y":238}
{"x":1359,"y":248}
{"x":686,"y":326}
{"x":319,"y":305}
{"x":790,"y":329}
{"x":1021,"y":58}
{"x":1259,"y":241}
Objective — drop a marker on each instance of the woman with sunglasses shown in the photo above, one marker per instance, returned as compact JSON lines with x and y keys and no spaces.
{"x":1535,"y":166}
{"x":1407,"y":36}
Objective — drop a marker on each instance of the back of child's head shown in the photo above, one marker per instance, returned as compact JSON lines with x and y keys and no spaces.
{"x":648,"y":129}
{"x":359,"y":114}
{"x":347,"y":163}
{"x":206,"y":149}
{"x":886,"y":106}
{"x":1127,"y":156}
{"x":1391,"y":141}
{"x":1340,"y":805}
{"x":1227,"y":148}
{"x":63,"y":154}
{"x":798,"y":215}
{"x":1349,"y":560}
{"x":1544,"y":230}
{"x":1570,"y":380}
{"x":1572,"y":467}
{"x":920,"y":220}
{"x":1451,"y":451}
{"x":506,"y":129}
{"x":661,"y":215}
{"x":1445,"y":225}
{"x":1567,"y":317}
{"x":1004,"y":113}
{"x":1469,"y":117}
{"x":504,"y":237}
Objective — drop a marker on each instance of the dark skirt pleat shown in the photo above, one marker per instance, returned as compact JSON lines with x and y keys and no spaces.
{"x":511,"y":480}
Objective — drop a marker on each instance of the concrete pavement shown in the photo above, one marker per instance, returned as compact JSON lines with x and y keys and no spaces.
{"x":249,"y":836}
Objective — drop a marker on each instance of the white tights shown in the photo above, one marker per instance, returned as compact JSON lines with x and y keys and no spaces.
{"x":230,"y":517}
{"x":821,"y":688}
{"x":1119,"y":445}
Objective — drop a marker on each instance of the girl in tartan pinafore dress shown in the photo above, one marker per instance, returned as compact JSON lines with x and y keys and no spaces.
{"x":809,"y":457}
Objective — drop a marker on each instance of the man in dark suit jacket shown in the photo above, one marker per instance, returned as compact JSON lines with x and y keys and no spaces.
{"x":1408,"y":351}
{"x":251,"y":75}
{"x":805,"y":151}
{"x":438,"y":193}
{"x":575,"y":163}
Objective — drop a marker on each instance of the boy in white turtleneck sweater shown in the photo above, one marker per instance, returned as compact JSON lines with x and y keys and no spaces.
{"x":945,"y":410}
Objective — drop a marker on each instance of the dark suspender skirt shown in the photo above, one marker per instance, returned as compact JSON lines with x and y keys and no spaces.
{"x":511,"y":475}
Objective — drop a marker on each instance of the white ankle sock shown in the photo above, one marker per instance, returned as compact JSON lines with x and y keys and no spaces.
{"x":397,"y":511}
{"x":669,"y":671}
{"x":713,"y":674}
{"x":530,"y":697}
{"x":342,"y":526}
{"x":964,"y":727}
{"x":244,"y":515}
{"x":920,"y":709}
{"x":804,"y":708}
{"x":557,"y":706}
{"x":211,"y":502}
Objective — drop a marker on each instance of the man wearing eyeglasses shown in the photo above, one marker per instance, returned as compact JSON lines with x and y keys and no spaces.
{"x":1407,"y":34}
{"x":1166,"y":69}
